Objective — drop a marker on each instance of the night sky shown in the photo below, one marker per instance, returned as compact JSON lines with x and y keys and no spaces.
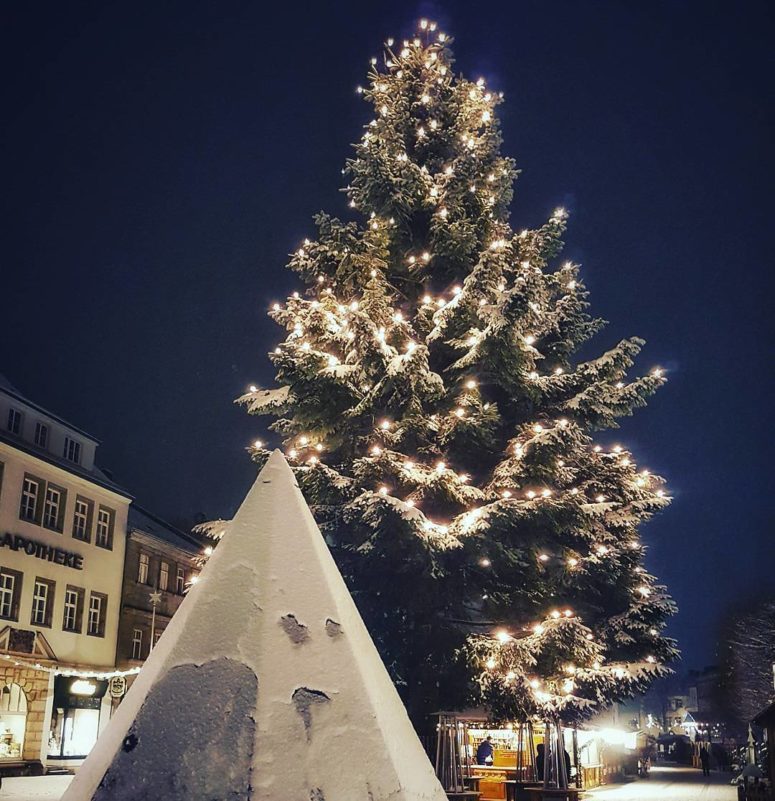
{"x":160,"y":160}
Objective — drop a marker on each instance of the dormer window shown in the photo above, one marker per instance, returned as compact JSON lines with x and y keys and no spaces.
{"x":72,"y":450}
{"x":14,"y":421}
{"x":41,"y":435}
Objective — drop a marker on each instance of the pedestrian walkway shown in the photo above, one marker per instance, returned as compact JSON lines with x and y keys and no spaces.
{"x":668,"y":784}
{"x":34,"y":788}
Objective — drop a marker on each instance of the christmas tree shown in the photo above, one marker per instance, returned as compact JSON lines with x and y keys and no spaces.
{"x":440,"y":422}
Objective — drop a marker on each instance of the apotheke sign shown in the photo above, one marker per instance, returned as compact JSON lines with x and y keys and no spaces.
{"x":49,"y":553}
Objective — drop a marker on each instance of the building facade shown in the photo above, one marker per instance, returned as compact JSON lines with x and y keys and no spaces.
{"x":161,"y":562}
{"x":62,"y":550}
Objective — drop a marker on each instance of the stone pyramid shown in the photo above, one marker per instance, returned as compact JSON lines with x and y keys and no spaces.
{"x":266,"y":685}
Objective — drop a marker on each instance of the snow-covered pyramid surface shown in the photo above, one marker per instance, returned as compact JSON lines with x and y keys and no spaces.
{"x":265,"y":685}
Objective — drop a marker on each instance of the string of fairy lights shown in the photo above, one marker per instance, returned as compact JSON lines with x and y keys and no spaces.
{"x":322,"y":333}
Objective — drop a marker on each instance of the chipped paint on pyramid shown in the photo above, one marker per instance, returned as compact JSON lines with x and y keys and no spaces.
{"x":266,"y":685}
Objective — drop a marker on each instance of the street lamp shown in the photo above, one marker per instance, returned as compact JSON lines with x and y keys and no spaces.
{"x":155,"y":598}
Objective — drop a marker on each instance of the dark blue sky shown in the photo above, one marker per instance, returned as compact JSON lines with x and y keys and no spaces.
{"x":159,"y":161}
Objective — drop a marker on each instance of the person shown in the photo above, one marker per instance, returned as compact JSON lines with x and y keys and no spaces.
{"x":705,"y":760}
{"x":540,"y":757}
{"x":485,"y":751}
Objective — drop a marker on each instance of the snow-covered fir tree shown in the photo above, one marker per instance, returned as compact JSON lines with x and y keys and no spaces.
{"x":432,"y":402}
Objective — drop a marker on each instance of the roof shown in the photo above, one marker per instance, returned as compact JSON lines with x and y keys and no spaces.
{"x":9,"y":389}
{"x":766,"y":717}
{"x":141,"y":520}
{"x":95,"y":475}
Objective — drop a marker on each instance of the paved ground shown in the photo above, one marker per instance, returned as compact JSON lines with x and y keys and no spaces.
{"x":664,"y":784}
{"x":38,"y":788}
{"x":668,"y":784}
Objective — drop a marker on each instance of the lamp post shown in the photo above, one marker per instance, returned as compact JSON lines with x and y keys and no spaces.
{"x":155,"y":598}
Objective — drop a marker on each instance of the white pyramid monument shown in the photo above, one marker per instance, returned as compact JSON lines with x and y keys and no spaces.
{"x":265,"y":686}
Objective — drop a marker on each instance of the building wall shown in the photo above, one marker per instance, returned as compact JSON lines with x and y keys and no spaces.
{"x":136,"y":607}
{"x":102,"y":569}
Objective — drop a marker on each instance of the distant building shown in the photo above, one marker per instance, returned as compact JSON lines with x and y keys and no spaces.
{"x":62,"y":544}
{"x":161,"y":561}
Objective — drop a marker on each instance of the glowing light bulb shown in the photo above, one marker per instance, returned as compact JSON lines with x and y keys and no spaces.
{"x":602,"y":550}
{"x":530,"y":494}
{"x":538,"y":428}
{"x":490,"y":663}
{"x":644,"y":591}
{"x":293,"y":453}
{"x":485,"y":562}
{"x":546,"y":493}
{"x":543,"y":557}
{"x":535,"y":683}
{"x":597,"y":449}
{"x":653,"y":632}
{"x":409,"y":502}
{"x":440,"y":467}
{"x":376,"y":451}
{"x":530,"y":339}
{"x":572,"y":562}
{"x":258,"y":444}
{"x":383,"y":490}
{"x":600,"y":498}
{"x":555,"y":614}
{"x":506,"y":494}
{"x":502,"y":636}
{"x":209,"y":550}
{"x":385,"y":425}
{"x":312,"y":460}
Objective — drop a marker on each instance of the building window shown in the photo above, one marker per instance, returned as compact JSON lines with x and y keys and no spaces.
{"x":142,"y":568}
{"x":73,"y":609}
{"x":180,"y":581}
{"x":54,"y":507}
{"x":41,"y":434}
{"x":30,"y":505}
{"x":10,"y":590}
{"x":97,"y":607}
{"x":42,"y":602}
{"x":164,"y":575}
{"x":137,"y":643}
{"x":82,"y":517}
{"x":104,"y":537}
{"x":14,"y":421}
{"x":72,"y":450}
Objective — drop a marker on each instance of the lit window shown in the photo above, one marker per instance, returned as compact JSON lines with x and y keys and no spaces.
{"x":42,"y":602}
{"x":73,"y":609}
{"x":14,"y":421}
{"x":96,"y":624}
{"x":41,"y":434}
{"x":82,"y":519}
{"x":142,"y":568}
{"x":104,"y":536}
{"x":180,"y":581}
{"x":137,"y":643}
{"x":53,"y":507}
{"x":10,"y":587}
{"x":30,"y":495}
{"x":164,"y":576}
{"x":72,"y":450}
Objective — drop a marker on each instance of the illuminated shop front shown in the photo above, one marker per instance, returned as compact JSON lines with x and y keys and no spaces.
{"x":13,"y":721}
{"x":506,"y":767}
{"x":75,"y":716}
